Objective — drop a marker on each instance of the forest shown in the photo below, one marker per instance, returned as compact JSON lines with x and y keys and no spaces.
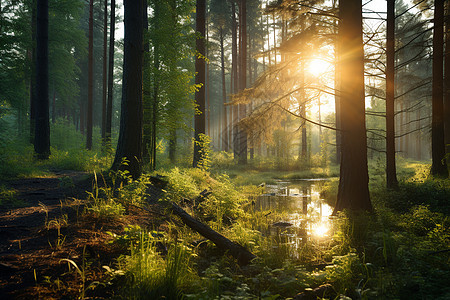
{"x":225,"y":149}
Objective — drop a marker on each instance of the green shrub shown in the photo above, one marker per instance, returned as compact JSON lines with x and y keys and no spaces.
{"x":188,"y":183}
{"x":149,"y":275}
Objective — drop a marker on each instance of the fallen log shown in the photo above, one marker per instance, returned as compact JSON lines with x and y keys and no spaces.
{"x":239,"y":252}
{"x":243,"y":256}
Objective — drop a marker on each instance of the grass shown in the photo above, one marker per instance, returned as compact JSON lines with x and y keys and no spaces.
{"x":385,"y":255}
{"x":400,"y":252}
{"x":67,"y":153}
{"x":8,"y":198}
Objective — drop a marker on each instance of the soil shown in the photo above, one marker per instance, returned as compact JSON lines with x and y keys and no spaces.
{"x":49,"y":228}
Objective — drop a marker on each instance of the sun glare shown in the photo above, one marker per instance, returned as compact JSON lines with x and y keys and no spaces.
{"x":317,"y":66}
{"x":321,"y":230}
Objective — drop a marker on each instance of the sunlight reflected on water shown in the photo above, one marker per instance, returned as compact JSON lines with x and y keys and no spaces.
{"x":299,"y":213}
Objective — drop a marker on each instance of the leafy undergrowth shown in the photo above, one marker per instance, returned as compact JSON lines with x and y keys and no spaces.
{"x":133,"y":248}
{"x":67,"y":153}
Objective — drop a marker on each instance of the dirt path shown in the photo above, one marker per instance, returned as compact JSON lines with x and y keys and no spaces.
{"x":29,"y":236}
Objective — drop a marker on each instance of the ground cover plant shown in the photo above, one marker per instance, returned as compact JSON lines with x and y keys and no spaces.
{"x":402,"y":247}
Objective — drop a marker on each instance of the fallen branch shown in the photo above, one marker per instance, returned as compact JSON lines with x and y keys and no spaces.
{"x":239,"y":252}
{"x":242,"y":255}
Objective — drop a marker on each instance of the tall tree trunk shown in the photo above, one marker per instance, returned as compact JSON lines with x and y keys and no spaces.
{"x":438,"y":166}
{"x":110,"y":73}
{"x":391,"y":173}
{"x":33,"y":71}
{"x":42,"y":126}
{"x":90,"y":77}
{"x":447,"y":81}
{"x":224,"y":94}
{"x":242,"y":79}
{"x":263,"y":50}
{"x":207,"y":82}
{"x":200,"y":80}
{"x":274,"y":40}
{"x":105,"y":87}
{"x":147,"y":100}
{"x":234,"y":66}
{"x":353,"y":191}
{"x":129,"y":145}
{"x":154,"y":107}
{"x":337,"y":89}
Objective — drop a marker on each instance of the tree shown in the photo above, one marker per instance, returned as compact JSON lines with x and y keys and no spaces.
{"x":129,"y":146}
{"x":90,"y":77}
{"x":391,"y":175}
{"x":109,"y":105}
{"x":220,"y":17}
{"x":33,"y":71}
{"x":200,"y":81}
{"x":242,"y":138}
{"x":168,"y":76}
{"x":353,"y":191}
{"x":42,"y":127}
{"x":447,"y":80}
{"x":438,"y":165}
{"x":104,"y":77}
{"x":234,"y":114}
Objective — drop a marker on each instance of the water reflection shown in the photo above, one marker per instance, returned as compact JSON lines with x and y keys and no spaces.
{"x":297,"y":210}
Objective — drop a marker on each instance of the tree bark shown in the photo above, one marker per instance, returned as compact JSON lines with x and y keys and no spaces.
{"x":224,"y":93}
{"x":200,"y":80}
{"x":33,"y":71}
{"x":447,"y":81}
{"x":110,"y":73}
{"x":130,"y":137}
{"x":242,"y":80}
{"x":90,"y":77}
{"x":353,"y":191}
{"x":438,"y":165}
{"x":207,"y":82}
{"x":243,"y":256}
{"x":42,"y":126}
{"x":154,"y":107}
{"x":235,"y":79}
{"x":105,"y":87}
{"x":391,"y":173}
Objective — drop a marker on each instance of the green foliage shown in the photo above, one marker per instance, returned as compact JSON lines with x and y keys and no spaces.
{"x":16,"y":67}
{"x":421,"y":221}
{"x":68,"y":153}
{"x":5,"y":131}
{"x":148,"y":275}
{"x":105,"y":207}
{"x":204,"y":147}
{"x":431,"y":192}
{"x":344,"y":272}
{"x":169,"y":72}
{"x":188,"y":183}
{"x":8,"y":198}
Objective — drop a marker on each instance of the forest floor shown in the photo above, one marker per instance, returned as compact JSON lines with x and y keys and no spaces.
{"x":45,"y":229}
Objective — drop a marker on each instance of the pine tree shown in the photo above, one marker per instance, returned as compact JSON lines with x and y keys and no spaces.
{"x":129,"y":146}
{"x":42,"y":126}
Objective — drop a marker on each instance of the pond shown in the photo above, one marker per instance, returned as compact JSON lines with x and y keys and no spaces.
{"x":295,"y":211}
